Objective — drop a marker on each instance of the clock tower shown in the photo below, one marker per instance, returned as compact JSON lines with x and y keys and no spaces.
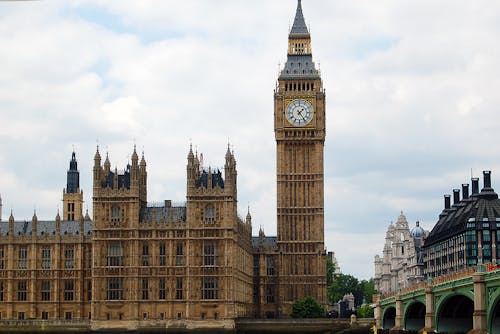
{"x":299,"y":127}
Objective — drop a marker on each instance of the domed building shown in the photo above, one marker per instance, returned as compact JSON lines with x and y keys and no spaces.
{"x":401,"y":264}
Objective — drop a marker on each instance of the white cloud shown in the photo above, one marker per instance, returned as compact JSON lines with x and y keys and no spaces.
{"x":411,"y":101}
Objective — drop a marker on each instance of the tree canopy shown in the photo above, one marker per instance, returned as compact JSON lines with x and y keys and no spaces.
{"x":307,"y":308}
{"x":343,"y":284}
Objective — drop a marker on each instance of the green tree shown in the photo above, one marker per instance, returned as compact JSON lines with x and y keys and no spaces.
{"x":307,"y":308}
{"x":364,"y":312}
{"x":342,"y":285}
{"x":367,"y":289}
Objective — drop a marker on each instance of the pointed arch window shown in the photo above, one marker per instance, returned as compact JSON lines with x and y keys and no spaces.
{"x":115,"y":214}
{"x":210,"y":215}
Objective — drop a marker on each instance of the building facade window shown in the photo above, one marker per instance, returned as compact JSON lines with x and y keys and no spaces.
{"x":115,"y":214}
{"x":179,"y":258}
{"x":89,"y":258}
{"x":89,"y":290}
{"x":210,"y":215}
{"x":162,"y":291}
{"x":22,"y":291}
{"x":163,"y":255}
{"x":115,"y":255}
{"x":115,"y":289}
{"x":270,"y":266}
{"x":69,"y":258}
{"x":2,"y":258}
{"x":69,"y":290}
{"x":46,"y":258}
{"x":145,"y":255}
{"x":178,"y":289}
{"x":45,"y":291}
{"x":45,"y":315}
{"x":68,"y":315}
{"x":23,"y":255}
{"x":145,"y":289}
{"x":2,"y":291}
{"x":270,"y":293}
{"x":209,"y":253}
{"x":209,"y":288}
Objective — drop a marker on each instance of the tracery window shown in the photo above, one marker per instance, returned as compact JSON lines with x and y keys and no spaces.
{"x":210,"y":288}
{"x":209,"y":253}
{"x":115,"y":255}
{"x":115,"y":289}
{"x":210,"y":215}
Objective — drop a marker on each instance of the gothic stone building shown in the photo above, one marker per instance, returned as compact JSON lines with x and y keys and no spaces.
{"x":192,"y":265}
{"x":402,"y":262}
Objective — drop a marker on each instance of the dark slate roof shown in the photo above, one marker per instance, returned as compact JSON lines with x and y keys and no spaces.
{"x":24,"y":228}
{"x":73,"y":177}
{"x":217,"y":180}
{"x":163,"y":214}
{"x":299,"y":24}
{"x":482,"y":207}
{"x":123,"y":179}
{"x":268,"y":242}
{"x":299,"y":66}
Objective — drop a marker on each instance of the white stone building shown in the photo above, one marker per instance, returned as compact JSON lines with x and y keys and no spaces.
{"x":401,"y":264}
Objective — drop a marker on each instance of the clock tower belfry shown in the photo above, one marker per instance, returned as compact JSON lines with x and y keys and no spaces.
{"x":299,"y":127}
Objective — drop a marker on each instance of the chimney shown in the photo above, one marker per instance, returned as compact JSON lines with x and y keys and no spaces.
{"x":456,"y":196}
{"x":465,"y":191}
{"x":487,"y":179}
{"x":475,"y":186}
{"x":447,"y":201}
{"x":168,"y":203}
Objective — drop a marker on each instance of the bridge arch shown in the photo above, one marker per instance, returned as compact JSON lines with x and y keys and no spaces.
{"x":454,"y":314}
{"x":414,"y":316}
{"x":494,"y":313}
{"x":389,"y":318}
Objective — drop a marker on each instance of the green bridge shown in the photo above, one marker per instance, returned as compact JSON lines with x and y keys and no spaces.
{"x":463,"y":302}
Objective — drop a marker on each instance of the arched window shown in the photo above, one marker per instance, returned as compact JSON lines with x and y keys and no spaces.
{"x":209,"y":215}
{"x":115,"y":214}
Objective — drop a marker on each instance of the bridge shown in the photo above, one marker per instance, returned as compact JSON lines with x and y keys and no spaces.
{"x":463,"y":302}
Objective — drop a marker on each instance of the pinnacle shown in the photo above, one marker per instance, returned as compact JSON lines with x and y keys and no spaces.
{"x":299,"y":24}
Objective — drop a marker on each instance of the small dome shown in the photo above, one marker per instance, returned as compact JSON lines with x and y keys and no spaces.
{"x":417,"y":232}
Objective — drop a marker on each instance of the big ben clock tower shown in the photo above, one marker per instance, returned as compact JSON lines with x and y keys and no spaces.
{"x":299,"y":127}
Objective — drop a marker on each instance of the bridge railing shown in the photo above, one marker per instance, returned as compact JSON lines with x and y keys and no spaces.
{"x":454,"y":276}
{"x":466,"y":272}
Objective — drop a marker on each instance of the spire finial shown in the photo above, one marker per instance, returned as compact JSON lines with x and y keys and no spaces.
{"x":299,"y":24}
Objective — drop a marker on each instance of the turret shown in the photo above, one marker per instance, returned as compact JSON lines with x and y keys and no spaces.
{"x":11,"y":224}
{"x":34,"y":225}
{"x":97,"y":168}
{"x":134,"y":170}
{"x":58,"y":224}
{"x":230,"y":173}
{"x":73,"y":176}
{"x":191,"y":168}
{"x":143,"y":176}
{"x":107,"y":165}
{"x":0,"y":207}
{"x":248,"y":218}
{"x":72,"y":195}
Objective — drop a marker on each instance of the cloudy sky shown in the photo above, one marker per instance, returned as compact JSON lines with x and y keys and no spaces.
{"x":412,"y":102}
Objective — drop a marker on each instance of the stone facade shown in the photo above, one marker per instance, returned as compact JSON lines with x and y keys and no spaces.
{"x":45,"y":266}
{"x":402,"y":262}
{"x":299,"y":123}
{"x":189,"y":265}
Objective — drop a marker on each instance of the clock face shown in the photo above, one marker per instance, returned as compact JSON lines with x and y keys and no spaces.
{"x":299,"y":112}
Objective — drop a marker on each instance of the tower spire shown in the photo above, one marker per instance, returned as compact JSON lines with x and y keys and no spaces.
{"x":299,"y":24}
